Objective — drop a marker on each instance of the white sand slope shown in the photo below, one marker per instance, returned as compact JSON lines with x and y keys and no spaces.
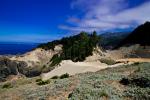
{"x":72,"y":68}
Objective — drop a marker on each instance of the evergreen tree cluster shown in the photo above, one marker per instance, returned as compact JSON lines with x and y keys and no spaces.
{"x":75,"y":48}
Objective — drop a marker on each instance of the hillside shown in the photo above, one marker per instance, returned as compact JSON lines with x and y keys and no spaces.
{"x":111,"y":40}
{"x":139,"y":36}
{"x":130,"y":82}
{"x":137,"y":43}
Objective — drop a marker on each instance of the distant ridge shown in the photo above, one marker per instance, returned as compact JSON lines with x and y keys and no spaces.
{"x":141,"y":35}
{"x":111,"y":40}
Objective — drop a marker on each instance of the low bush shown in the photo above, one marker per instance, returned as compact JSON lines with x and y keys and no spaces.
{"x":7,"y":85}
{"x":64,"y":76}
{"x":136,"y":63}
{"x":141,"y":82}
{"x":70,"y":95}
{"x":125,"y":81}
{"x":43,"y":82}
{"x":38,"y":80}
{"x":107,"y":61}
{"x":56,"y":59}
{"x":55,"y":77}
{"x":103,"y":94}
{"x":61,"y":77}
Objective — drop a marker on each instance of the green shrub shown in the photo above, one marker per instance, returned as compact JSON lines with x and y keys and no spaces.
{"x":64,"y":76}
{"x":56,"y":59}
{"x":125,"y":81}
{"x":55,"y":77}
{"x":70,"y":95}
{"x":141,"y":82}
{"x":43,"y":82}
{"x":7,"y":85}
{"x":43,"y":67}
{"x":103,"y":94}
{"x":38,"y":80}
{"x":107,"y":61}
{"x":47,"y":69}
{"x":61,"y":77}
{"x":136,"y":63}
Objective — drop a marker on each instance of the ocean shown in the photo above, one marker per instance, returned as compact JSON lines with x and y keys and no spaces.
{"x":16,"y":48}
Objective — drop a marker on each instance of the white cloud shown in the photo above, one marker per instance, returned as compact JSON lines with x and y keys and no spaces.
{"x":104,"y":15}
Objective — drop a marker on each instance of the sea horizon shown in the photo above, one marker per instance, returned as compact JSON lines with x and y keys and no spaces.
{"x":16,"y":48}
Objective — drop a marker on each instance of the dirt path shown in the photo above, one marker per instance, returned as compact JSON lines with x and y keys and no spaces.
{"x":134,"y":60}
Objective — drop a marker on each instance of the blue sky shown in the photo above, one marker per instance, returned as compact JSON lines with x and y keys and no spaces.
{"x":46,"y":20}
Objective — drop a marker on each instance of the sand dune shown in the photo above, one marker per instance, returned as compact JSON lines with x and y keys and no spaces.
{"x":72,"y":68}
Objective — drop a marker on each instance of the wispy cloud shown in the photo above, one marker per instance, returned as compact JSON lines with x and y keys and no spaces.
{"x":103,"y":15}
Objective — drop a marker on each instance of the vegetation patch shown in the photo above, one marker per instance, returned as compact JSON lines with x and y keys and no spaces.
{"x":7,"y":86}
{"x":38,"y":80}
{"x":56,"y":59}
{"x":141,"y":82}
{"x":41,"y":82}
{"x":64,"y":76}
{"x":55,"y":77}
{"x":101,"y":85}
{"x":107,"y":61}
{"x":136,"y":63}
{"x":103,"y":94}
{"x":137,"y":93}
{"x":140,"y":77}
